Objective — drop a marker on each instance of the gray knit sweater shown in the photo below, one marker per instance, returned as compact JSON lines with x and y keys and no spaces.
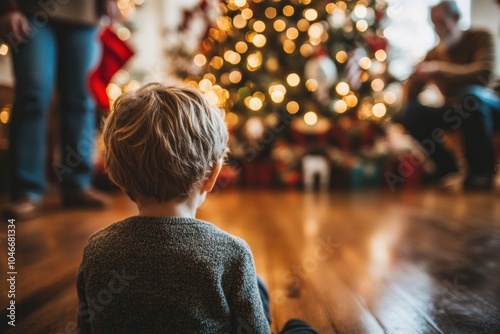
{"x":168,"y":275}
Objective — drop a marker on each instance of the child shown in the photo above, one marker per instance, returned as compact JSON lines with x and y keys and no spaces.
{"x":164,"y":271}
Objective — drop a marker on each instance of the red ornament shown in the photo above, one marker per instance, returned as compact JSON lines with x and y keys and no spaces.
{"x":115,"y":53}
{"x":375,"y":42}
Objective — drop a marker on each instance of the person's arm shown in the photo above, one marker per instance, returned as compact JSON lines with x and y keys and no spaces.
{"x":416,"y":82}
{"x":478,"y":71}
{"x":14,"y":27}
{"x":247,"y":312}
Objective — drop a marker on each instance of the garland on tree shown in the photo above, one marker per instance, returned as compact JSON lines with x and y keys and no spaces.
{"x":291,"y":74}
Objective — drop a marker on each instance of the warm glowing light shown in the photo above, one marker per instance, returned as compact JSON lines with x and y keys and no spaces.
{"x":288,"y":10}
{"x":390,"y":97}
{"x":279,"y":25}
{"x":289,"y":46}
{"x":342,"y":88}
{"x":270,"y":12}
{"x":213,"y":98}
{"x":123,"y":33}
{"x":311,"y":85}
{"x":277,"y":96}
{"x":380,"y":55}
{"x":260,"y":95}
{"x":377,"y":85}
{"x":341,"y":57}
{"x":272,"y":64}
{"x":278,"y":87}
{"x":259,"y":26}
{"x":255,"y":103}
{"x":235,"y":77}
{"x":224,"y":79}
{"x":254,"y":60}
{"x":362,"y":25}
{"x":379,"y":110}
{"x":241,"y":47}
{"x":247,"y":13}
{"x":293,"y":79}
{"x":340,"y":106}
{"x":239,"y":22}
{"x":292,"y":107}
{"x":113,"y":91}
{"x":360,"y":11}
{"x":4,"y":49}
{"x":259,"y":40}
{"x":303,"y":25}
{"x":216,"y":62}
{"x":310,"y":118}
{"x":132,"y":85}
{"x":232,"y":57}
{"x":310,"y":14}
{"x":210,"y":77}
{"x":200,"y":60}
{"x":351,"y":100}
{"x":292,"y":33}
{"x":205,"y":85}
{"x":4,"y":116}
{"x":224,"y":23}
{"x":306,"y":50}
{"x":316,"y":30}
{"x":365,"y":63}
{"x":231,"y":119}
{"x":330,"y":7}
{"x":240,"y":3}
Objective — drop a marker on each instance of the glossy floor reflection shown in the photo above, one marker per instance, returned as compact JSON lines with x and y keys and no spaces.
{"x":371,"y":262}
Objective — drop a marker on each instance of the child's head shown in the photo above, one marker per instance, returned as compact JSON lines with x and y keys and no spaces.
{"x":163,"y":142}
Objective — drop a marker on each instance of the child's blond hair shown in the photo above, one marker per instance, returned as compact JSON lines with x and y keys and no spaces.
{"x":161,"y":142}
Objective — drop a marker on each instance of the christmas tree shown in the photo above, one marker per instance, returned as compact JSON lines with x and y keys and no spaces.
{"x":309,"y":58}
{"x":321,"y":65}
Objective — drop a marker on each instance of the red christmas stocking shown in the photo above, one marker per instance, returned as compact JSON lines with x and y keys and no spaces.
{"x":115,"y":53}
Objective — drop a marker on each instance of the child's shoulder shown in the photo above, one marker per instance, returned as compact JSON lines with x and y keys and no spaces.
{"x":222,"y":238}
{"x":183,"y":230}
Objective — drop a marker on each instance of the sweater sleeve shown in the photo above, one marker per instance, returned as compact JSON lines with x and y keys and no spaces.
{"x":83,"y":308}
{"x":247,"y":312}
{"x":478,"y":70}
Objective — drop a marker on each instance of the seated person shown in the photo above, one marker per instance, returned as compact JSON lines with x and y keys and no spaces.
{"x":461,"y":66}
{"x":164,"y":271}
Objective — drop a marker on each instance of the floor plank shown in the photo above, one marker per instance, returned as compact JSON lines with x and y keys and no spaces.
{"x":361,"y":262}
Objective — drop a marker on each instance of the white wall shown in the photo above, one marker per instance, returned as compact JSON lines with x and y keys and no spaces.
{"x":486,"y":14}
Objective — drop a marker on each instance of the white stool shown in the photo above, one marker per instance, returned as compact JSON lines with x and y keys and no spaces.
{"x":313,"y":165}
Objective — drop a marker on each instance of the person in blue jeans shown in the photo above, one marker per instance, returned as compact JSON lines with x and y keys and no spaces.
{"x":53,"y":45}
{"x":461,"y":66}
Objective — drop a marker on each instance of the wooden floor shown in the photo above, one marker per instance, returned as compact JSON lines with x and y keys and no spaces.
{"x":371,"y":262}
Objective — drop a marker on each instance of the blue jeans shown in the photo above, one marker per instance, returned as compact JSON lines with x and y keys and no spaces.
{"x":292,"y":326}
{"x":476,"y":114}
{"x":63,"y":54}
